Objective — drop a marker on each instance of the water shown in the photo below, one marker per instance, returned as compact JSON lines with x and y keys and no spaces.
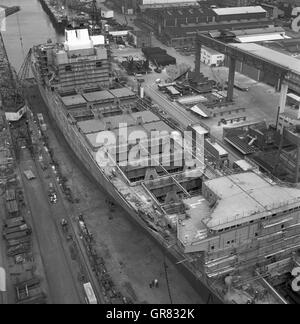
{"x":31,"y":24}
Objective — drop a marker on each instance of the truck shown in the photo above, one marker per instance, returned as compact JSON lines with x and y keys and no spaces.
{"x":89,"y":294}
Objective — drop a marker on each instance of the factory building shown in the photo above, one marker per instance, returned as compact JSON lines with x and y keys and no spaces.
{"x":134,"y":6}
{"x":239,"y":13}
{"x":232,"y":3}
{"x":273,"y":11}
{"x":177,"y":26}
{"x":126,"y":6}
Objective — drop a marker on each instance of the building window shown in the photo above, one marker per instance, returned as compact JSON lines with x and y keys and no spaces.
{"x":68,"y":68}
{"x":99,"y":64}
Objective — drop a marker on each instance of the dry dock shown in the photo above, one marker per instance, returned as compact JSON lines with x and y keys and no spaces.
{"x":132,"y":266}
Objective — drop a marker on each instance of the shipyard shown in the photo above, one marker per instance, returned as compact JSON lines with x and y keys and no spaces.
{"x":149,"y":153}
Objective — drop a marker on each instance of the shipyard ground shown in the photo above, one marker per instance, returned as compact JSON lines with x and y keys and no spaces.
{"x":62,"y":281}
{"x":261,"y":101}
{"x":132,"y":259}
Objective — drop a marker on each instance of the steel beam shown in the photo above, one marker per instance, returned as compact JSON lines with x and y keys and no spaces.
{"x":282,"y":72}
{"x":231,"y":75}
{"x":198,"y":58}
{"x":283,"y":95}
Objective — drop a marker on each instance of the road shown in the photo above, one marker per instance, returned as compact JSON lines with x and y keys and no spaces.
{"x":63,"y":287}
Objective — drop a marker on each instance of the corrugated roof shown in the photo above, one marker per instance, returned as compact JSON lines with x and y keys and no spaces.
{"x":238,"y":10}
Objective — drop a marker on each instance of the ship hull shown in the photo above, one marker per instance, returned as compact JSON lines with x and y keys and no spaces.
{"x":59,"y":26}
{"x":70,"y":133}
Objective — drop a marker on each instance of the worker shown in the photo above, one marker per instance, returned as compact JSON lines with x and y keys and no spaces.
{"x":155,"y":283}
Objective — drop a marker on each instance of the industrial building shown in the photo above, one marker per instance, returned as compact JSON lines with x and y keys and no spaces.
{"x":211,"y":57}
{"x":126,"y":6}
{"x":232,"y":3}
{"x":140,"y":38}
{"x":178,"y":26}
{"x":288,"y":46}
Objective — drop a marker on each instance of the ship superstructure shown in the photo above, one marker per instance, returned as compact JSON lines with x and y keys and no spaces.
{"x":238,"y":235}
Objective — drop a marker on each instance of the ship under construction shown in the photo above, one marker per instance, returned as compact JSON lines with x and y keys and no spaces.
{"x":237,"y":236}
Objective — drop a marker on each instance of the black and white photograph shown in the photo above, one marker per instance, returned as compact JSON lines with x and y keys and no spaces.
{"x":149,"y":155}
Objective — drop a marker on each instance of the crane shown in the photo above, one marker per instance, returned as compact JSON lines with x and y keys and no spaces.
{"x":95,"y":18}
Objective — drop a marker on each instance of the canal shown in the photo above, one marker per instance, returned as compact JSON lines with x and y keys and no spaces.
{"x":26,"y":28}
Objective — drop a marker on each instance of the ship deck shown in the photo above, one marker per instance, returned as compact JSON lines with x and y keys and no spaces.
{"x":155,"y":196}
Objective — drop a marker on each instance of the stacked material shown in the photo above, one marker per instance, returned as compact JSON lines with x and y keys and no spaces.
{"x":148,"y":51}
{"x":158,"y":56}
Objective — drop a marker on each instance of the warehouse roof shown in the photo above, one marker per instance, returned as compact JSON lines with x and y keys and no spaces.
{"x":270,"y":55}
{"x":238,"y":10}
{"x":247,"y":196}
{"x":259,"y":38}
{"x":256,"y":31}
{"x":188,"y":12}
{"x":184,"y":30}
